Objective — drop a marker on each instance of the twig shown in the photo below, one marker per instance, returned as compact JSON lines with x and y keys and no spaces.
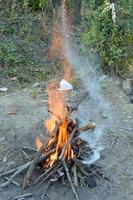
{"x":9,"y":172}
{"x":29,"y":149}
{"x":51,"y":173}
{"x":43,"y":175}
{"x":67,"y":144}
{"x":21,"y":168}
{"x":46,"y":189}
{"x":69,"y":179}
{"x":23,"y":196}
{"x":25,"y":154}
{"x":80,"y":167}
{"x":37,"y":157}
{"x":74,"y":170}
{"x":54,"y":114}
{"x":33,"y":164}
{"x":76,"y":106}
{"x":13,"y":182}
{"x":88,"y":126}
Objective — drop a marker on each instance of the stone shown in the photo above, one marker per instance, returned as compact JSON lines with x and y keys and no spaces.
{"x":14,"y":78}
{"x":2,"y":139}
{"x":35,"y":85}
{"x":127,"y":86}
{"x":104,"y":82}
{"x":131,"y":100}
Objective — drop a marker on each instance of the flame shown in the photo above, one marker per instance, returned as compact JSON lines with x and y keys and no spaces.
{"x":56,"y":98}
{"x":62,"y":139}
{"x":38,"y":143}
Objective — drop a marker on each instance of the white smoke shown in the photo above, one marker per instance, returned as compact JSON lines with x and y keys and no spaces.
{"x":93,"y":140}
{"x":97,"y":103}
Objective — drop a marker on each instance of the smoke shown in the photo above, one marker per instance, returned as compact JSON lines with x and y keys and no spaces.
{"x":94,"y":107}
{"x":93,"y":140}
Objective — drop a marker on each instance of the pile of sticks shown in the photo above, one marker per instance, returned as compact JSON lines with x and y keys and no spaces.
{"x":72,"y":171}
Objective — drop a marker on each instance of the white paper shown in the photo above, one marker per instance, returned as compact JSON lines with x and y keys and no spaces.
{"x":64,"y":85}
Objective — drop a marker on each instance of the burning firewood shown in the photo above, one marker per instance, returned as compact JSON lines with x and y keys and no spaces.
{"x":60,"y":156}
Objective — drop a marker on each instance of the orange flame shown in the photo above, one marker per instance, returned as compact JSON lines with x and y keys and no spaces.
{"x":56,"y":98}
{"x":38,"y":143}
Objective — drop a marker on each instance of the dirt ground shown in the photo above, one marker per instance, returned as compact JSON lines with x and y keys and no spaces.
{"x":21,"y":119}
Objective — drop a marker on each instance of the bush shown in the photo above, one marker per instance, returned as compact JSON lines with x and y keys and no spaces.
{"x":111,"y":40}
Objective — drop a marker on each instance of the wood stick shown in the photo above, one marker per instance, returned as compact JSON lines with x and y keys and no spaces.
{"x":74,"y":170}
{"x":29,"y":149}
{"x":21,"y":168}
{"x":34,"y":163}
{"x":67,"y":144}
{"x":46,"y":189}
{"x":9,"y":172}
{"x":25,"y":155}
{"x":51,"y":173}
{"x":79,"y":165}
{"x":43,"y":175}
{"x":54,"y":114}
{"x":37,"y":157}
{"x":88,"y":126}
{"x":77,"y":104}
{"x":69,"y":179}
{"x":23,"y":196}
{"x":13,"y":182}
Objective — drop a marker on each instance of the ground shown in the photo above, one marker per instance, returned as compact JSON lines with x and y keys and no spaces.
{"x":22,"y":118}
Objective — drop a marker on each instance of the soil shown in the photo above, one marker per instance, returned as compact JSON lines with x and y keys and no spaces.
{"x":22,"y":119}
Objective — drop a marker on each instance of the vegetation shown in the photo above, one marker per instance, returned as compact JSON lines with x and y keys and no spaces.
{"x":23,"y":43}
{"x":22,"y":48}
{"x":112,"y":39}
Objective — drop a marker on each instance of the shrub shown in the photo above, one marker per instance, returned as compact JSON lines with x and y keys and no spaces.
{"x":111,"y":40}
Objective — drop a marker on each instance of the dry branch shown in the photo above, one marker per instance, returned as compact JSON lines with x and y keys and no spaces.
{"x":77,"y":104}
{"x":75,"y":179}
{"x":46,"y":189}
{"x":43,"y":175}
{"x":50,"y":174}
{"x":9,"y":172}
{"x":88,"y":126}
{"x":67,"y":144}
{"x":21,"y":169}
{"x":69,"y":179}
{"x":33,"y":164}
{"x":37,"y":157}
{"x":13,"y":182}
{"x":23,"y":196}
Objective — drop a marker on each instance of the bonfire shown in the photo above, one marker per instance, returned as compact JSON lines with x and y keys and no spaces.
{"x":61,"y":156}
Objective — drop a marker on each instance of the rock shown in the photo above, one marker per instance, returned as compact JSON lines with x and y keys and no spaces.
{"x":127,"y":86}
{"x":14,"y":78}
{"x":2,"y":139}
{"x":104,"y":116}
{"x":35,"y":85}
{"x":3,"y":89}
{"x":131,"y":100}
{"x":104,"y":82}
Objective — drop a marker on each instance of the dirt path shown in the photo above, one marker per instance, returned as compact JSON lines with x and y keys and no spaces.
{"x":21,"y":120}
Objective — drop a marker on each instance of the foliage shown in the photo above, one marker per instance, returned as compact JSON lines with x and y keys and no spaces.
{"x":20,"y":51}
{"x":111,"y":40}
{"x":36,"y":4}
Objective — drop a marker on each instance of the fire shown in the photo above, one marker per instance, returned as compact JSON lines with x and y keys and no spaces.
{"x":56,"y":98}
{"x":38,"y":143}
